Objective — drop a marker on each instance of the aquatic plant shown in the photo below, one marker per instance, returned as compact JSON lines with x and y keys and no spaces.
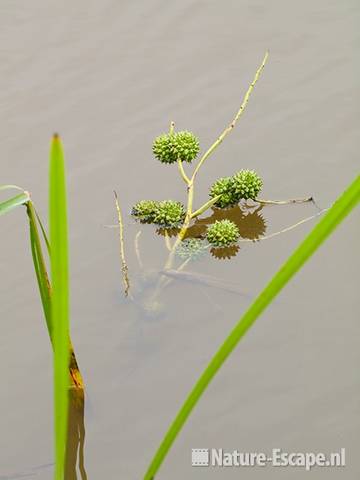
{"x":222,"y":233}
{"x":183,"y":147}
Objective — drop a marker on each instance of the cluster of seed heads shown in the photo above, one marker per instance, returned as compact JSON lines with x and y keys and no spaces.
{"x":245,"y":184}
{"x":170,"y":147}
{"x":167,"y":213}
{"x":222,"y":233}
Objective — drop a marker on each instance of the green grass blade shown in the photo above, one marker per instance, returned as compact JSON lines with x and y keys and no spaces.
{"x":14,"y":202}
{"x":60,"y":299}
{"x":40,"y":266}
{"x":342,"y":207}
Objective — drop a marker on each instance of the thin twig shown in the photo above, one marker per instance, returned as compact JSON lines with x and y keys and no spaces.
{"x":236,"y":118}
{"x":284,"y":202}
{"x":124,"y":267}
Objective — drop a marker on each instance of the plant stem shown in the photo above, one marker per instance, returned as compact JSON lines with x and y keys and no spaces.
{"x":124,"y":267}
{"x":284,"y":202}
{"x":182,"y":172}
{"x":236,"y":118}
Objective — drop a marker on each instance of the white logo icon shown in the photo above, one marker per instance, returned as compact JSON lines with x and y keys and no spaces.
{"x":200,"y":457}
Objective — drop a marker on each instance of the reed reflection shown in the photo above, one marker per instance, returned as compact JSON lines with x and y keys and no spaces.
{"x":76,"y":436}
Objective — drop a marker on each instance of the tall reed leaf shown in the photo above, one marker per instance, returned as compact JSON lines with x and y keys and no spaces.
{"x":345,"y":203}
{"x":60,"y":299}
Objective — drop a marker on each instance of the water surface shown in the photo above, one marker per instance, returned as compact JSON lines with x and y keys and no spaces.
{"x":110,"y":76}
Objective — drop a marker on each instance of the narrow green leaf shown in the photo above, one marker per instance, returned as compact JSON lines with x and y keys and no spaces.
{"x":206,"y":205}
{"x":60,"y":299}
{"x":342,"y":207}
{"x":40,"y":266}
{"x":14,"y":202}
{"x":43,"y":231}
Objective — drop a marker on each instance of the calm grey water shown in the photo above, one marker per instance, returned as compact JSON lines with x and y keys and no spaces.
{"x":109,"y":76}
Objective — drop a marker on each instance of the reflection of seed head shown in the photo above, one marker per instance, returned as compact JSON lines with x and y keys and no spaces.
{"x":193,"y":248}
{"x":252,"y":226}
{"x":225,"y":253}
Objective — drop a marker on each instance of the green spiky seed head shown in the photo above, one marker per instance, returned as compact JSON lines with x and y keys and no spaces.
{"x":247,"y":184}
{"x":168,"y":148}
{"x":222,"y":233}
{"x":145,"y":210}
{"x":185,"y":146}
{"x":224,"y":187}
{"x":191,"y":248}
{"x":169,"y":213}
{"x":162,"y":148}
